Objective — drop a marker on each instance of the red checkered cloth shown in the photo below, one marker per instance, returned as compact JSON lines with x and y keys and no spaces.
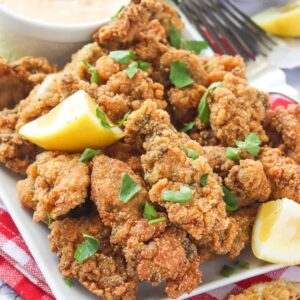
{"x":19,"y":270}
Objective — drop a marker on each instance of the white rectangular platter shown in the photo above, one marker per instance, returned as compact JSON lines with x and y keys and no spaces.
{"x":35,"y":235}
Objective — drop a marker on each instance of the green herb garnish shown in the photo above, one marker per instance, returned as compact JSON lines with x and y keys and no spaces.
{"x":149,"y":211}
{"x":203,"y":109}
{"x":88,"y":154}
{"x":104,"y":122}
{"x":183,"y":196}
{"x":233,"y":153}
{"x":122,"y":56}
{"x":203,"y":179}
{"x":177,"y":41}
{"x":188,"y":126}
{"x":251,"y":145}
{"x":190,"y":152}
{"x":68,"y":282}
{"x":242,"y":264}
{"x":128,"y":188}
{"x":230,"y":199}
{"x":158,"y":220}
{"x":227,"y":271}
{"x":134,"y":66}
{"x":174,"y":35}
{"x":179,"y":75}
{"x":195,"y":46}
{"x":116,"y":15}
{"x":49,"y":219}
{"x":92,"y":70}
{"x":88,"y":248}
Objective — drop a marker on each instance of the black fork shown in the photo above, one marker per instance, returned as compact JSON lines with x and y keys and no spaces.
{"x":227,"y":29}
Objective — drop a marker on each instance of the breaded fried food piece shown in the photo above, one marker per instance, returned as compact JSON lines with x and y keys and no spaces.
{"x":153,"y":252}
{"x":54,"y":89}
{"x":184,"y":102}
{"x":15,"y":152}
{"x":217,"y":159}
{"x":236,"y":111}
{"x":248,"y":182}
{"x":286,"y":124}
{"x":167,"y":167}
{"x":234,"y":239}
{"x":131,"y":20}
{"x":282,"y":172}
{"x":89,"y":53}
{"x":218,"y":66}
{"x":192,"y":61}
{"x":275,"y":290}
{"x":18,"y":79}
{"x":104,"y":273}
{"x":55,"y":184}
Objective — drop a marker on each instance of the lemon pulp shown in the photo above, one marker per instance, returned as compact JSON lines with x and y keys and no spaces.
{"x":71,"y":126}
{"x":276,"y":232}
{"x":283,"y":21}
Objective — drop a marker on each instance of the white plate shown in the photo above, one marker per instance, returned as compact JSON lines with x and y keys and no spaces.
{"x":35,"y":235}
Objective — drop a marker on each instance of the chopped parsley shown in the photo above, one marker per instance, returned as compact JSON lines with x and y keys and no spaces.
{"x":203,"y":179}
{"x":68,"y":282}
{"x":49,"y":219}
{"x":251,"y":145}
{"x":92,"y":70}
{"x":203,"y":109}
{"x":230,"y":199}
{"x":227,"y":271}
{"x":183,"y":196}
{"x":241,"y":264}
{"x":104,"y":122}
{"x":179,"y":74}
{"x":149,"y":211}
{"x":177,"y":41}
{"x":190,"y":152}
{"x":122,"y":56}
{"x":158,"y":220}
{"x":195,"y":46}
{"x":88,"y":154}
{"x":134,"y":66}
{"x":86,"y":249}
{"x":128,"y":188}
{"x":151,"y":214}
{"x":116,"y":15}
{"x":188,"y":126}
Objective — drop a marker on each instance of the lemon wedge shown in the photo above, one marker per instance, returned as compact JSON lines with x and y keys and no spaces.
{"x":283,"y":21}
{"x":71,"y":126}
{"x":276,"y":232}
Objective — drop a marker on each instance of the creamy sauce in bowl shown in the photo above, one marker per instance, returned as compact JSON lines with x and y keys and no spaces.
{"x":65,"y":11}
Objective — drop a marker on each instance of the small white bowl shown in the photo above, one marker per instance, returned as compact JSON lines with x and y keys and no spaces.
{"x":20,"y":36}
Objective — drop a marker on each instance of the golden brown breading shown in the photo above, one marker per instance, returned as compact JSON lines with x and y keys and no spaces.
{"x":17,"y":79}
{"x":150,"y":251}
{"x":54,"y":89}
{"x":275,"y":290}
{"x":131,"y":20}
{"x":193,"y":62}
{"x":286,"y":124}
{"x":217,"y":159}
{"x":184,"y":102}
{"x":282,"y":172}
{"x":89,"y":53}
{"x":218,"y":66}
{"x":236,"y":111}
{"x":56,"y":183}
{"x":104,"y":273}
{"x":234,"y":239}
{"x":248,"y":182}
{"x":167,"y":167}
{"x":15,"y":152}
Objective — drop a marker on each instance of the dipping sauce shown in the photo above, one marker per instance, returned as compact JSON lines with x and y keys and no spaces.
{"x":65,"y":11}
